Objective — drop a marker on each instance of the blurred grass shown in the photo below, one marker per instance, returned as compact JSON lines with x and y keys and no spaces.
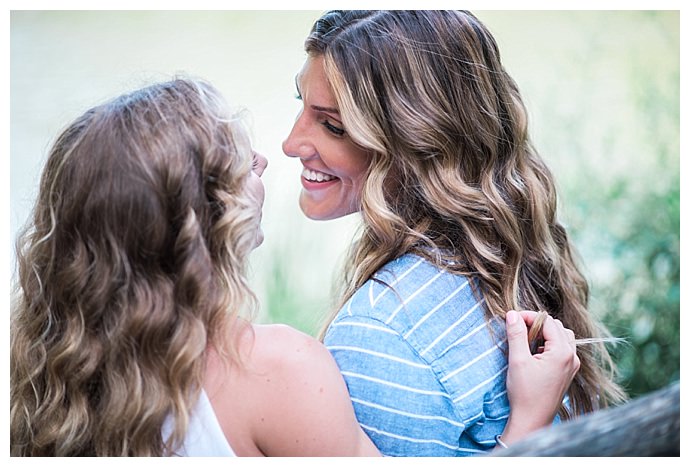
{"x":602,"y":89}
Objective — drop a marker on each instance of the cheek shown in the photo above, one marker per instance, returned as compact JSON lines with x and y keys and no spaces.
{"x":255,"y":189}
{"x":352,"y":189}
{"x":355,"y":164}
{"x":261,"y":193}
{"x":355,"y":189}
{"x":359,"y":173}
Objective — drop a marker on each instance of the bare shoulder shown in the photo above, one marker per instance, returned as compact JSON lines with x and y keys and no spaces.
{"x":283,"y":349}
{"x":291,"y":365}
{"x":285,"y":398}
{"x":306,"y":409}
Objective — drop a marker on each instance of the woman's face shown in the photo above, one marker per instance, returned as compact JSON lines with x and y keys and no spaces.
{"x":334,"y":167}
{"x":256,"y":190}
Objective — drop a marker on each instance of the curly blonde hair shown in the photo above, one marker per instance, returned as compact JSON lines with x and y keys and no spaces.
{"x":453,"y":176}
{"x":133,"y":265}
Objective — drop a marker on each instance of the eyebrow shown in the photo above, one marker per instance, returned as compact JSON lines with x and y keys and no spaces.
{"x":331,"y":110}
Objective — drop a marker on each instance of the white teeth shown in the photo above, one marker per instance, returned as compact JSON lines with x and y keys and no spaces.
{"x":314,"y":176}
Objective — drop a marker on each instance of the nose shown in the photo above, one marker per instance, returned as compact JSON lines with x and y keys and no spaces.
{"x":260,"y":164}
{"x":298,"y":143}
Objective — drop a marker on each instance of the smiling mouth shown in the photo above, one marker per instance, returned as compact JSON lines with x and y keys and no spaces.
{"x":317,"y":177}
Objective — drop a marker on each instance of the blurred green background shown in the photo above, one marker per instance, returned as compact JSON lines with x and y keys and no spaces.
{"x":602,"y":88}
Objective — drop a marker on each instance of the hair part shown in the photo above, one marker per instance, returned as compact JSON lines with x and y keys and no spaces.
{"x":133,"y":264}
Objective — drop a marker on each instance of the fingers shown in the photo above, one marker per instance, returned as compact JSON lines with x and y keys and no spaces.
{"x":528,"y":316}
{"x":553,"y":328}
{"x":516,"y":332}
{"x":560,"y":341}
{"x":554,"y":331}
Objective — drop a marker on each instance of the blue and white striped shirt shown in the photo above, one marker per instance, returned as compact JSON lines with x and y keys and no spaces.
{"x":426,"y":375}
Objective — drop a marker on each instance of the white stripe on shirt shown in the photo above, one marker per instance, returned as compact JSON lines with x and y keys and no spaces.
{"x":450,"y":328}
{"x":483,"y":383}
{"x":500,"y":394}
{"x":471,"y":362}
{"x":398,"y":279}
{"x":408,"y":299}
{"x":465,"y":337}
{"x":366,"y":325}
{"x":377,"y":354}
{"x":408,"y":414}
{"x":434,"y":309}
{"x":395,"y":385}
{"x":485,"y":418}
{"x":417,"y":440}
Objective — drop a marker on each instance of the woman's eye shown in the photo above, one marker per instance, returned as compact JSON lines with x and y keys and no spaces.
{"x":255,"y":162}
{"x":333,"y":129}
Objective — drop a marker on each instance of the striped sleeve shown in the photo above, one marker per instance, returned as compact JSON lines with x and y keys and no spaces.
{"x":398,"y":399}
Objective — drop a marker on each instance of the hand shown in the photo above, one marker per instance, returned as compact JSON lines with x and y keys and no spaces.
{"x":537,"y":383}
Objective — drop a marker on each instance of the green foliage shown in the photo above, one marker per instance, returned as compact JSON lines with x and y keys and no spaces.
{"x":654,"y":360}
{"x":633,"y":218}
{"x":639,"y":299}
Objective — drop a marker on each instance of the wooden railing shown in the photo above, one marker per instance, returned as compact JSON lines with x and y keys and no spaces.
{"x":645,"y":426}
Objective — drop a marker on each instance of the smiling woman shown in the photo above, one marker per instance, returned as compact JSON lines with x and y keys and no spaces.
{"x":334,"y":165}
{"x":459,"y":226}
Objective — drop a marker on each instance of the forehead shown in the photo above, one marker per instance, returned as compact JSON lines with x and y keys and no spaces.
{"x":313,"y":84}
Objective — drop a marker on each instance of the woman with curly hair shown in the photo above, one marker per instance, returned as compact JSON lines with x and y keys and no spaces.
{"x":127,"y":332}
{"x":130,"y":331}
{"x":410,"y":119}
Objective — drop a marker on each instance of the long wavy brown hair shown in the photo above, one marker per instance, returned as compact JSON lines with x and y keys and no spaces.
{"x":133,"y":264}
{"x":453,"y":176}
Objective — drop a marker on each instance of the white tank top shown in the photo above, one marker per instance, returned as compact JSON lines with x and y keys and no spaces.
{"x":204,"y":436}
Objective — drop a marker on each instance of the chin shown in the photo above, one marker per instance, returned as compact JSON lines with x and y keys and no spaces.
{"x":259,"y":239}
{"x":314,"y":213}
{"x":321,"y":217}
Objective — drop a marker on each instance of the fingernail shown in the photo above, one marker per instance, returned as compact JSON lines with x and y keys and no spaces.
{"x":511,"y":317}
